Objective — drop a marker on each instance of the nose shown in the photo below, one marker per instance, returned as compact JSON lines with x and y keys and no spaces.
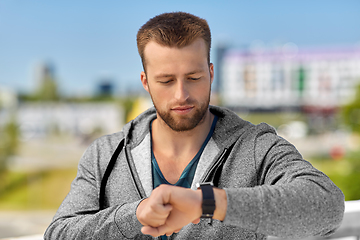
{"x":181,"y":92}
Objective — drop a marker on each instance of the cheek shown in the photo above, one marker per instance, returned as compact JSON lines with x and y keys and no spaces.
{"x":201,"y":91}
{"x":161,"y":97}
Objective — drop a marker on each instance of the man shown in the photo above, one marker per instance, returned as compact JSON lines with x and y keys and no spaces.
{"x":140,"y":183}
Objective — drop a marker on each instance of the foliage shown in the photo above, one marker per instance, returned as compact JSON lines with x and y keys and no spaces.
{"x":35,"y":190}
{"x":351,"y":112}
{"x":351,"y":181}
{"x":345,"y":173}
{"x":46,"y":91}
{"x":8,"y":143}
{"x":275,"y":119}
{"x":127,"y":104}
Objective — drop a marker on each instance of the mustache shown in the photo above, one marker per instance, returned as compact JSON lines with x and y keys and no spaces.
{"x":185,"y":103}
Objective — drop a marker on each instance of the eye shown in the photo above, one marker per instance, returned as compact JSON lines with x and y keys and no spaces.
{"x":194,"y":79}
{"x":166,"y":82}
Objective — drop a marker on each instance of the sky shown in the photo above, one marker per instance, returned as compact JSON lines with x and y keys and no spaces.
{"x":87,"y":40}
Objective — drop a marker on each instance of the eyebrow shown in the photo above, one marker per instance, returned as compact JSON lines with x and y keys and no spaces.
{"x":165,"y":75}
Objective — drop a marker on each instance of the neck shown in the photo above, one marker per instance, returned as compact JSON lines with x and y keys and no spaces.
{"x":177,"y":144}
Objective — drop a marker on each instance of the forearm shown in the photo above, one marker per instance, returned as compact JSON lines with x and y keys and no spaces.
{"x":220,"y":203}
{"x":287,"y":210}
{"x":290,"y":198}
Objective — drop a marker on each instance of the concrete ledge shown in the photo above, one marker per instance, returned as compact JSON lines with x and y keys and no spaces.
{"x":34,"y":237}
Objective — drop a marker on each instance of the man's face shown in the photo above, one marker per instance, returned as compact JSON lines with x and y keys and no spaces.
{"x":179,"y":83}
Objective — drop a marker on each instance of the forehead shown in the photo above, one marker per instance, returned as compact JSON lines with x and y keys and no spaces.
{"x":160,"y":56}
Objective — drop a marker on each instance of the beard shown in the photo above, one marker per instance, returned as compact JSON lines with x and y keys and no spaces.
{"x":184,"y":123}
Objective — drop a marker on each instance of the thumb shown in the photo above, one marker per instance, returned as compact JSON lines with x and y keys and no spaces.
{"x":167,"y":207}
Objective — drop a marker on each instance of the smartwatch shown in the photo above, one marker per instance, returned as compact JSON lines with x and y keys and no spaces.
{"x":208,"y":203}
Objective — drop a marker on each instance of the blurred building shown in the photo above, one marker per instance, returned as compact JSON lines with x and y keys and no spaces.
{"x":289,"y":78}
{"x":105,"y":88}
{"x":79,"y":119}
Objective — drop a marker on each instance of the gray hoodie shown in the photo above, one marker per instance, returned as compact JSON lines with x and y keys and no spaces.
{"x":271,"y":189}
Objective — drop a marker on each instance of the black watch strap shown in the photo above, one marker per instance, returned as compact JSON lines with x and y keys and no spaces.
{"x":208,"y":204}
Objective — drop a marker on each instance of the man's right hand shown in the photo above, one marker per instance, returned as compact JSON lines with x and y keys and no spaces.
{"x":152,"y":211}
{"x":168,"y":209}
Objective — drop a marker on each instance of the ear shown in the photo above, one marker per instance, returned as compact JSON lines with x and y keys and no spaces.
{"x":211,"y":68}
{"x":144,"y":81}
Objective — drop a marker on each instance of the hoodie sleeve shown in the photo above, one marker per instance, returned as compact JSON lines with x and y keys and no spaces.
{"x":292,"y":199}
{"x":79,"y":216}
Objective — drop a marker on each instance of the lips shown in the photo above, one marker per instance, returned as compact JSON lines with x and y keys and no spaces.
{"x":182,"y":109}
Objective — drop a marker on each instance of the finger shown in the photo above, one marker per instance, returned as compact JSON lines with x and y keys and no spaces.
{"x":168,"y":208}
{"x":152,"y":231}
{"x":165,"y":230}
{"x":162,"y":210}
{"x":161,"y":214}
{"x":177,"y":230}
{"x":155,"y":215}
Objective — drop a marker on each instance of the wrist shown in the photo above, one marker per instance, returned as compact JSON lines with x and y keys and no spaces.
{"x":220,"y":204}
{"x":213,"y":201}
{"x":208,"y":199}
{"x":139,"y":209}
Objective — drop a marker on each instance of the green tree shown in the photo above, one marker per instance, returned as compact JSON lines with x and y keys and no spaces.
{"x":8,"y":144}
{"x":48,"y":90}
{"x":351,"y":112}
